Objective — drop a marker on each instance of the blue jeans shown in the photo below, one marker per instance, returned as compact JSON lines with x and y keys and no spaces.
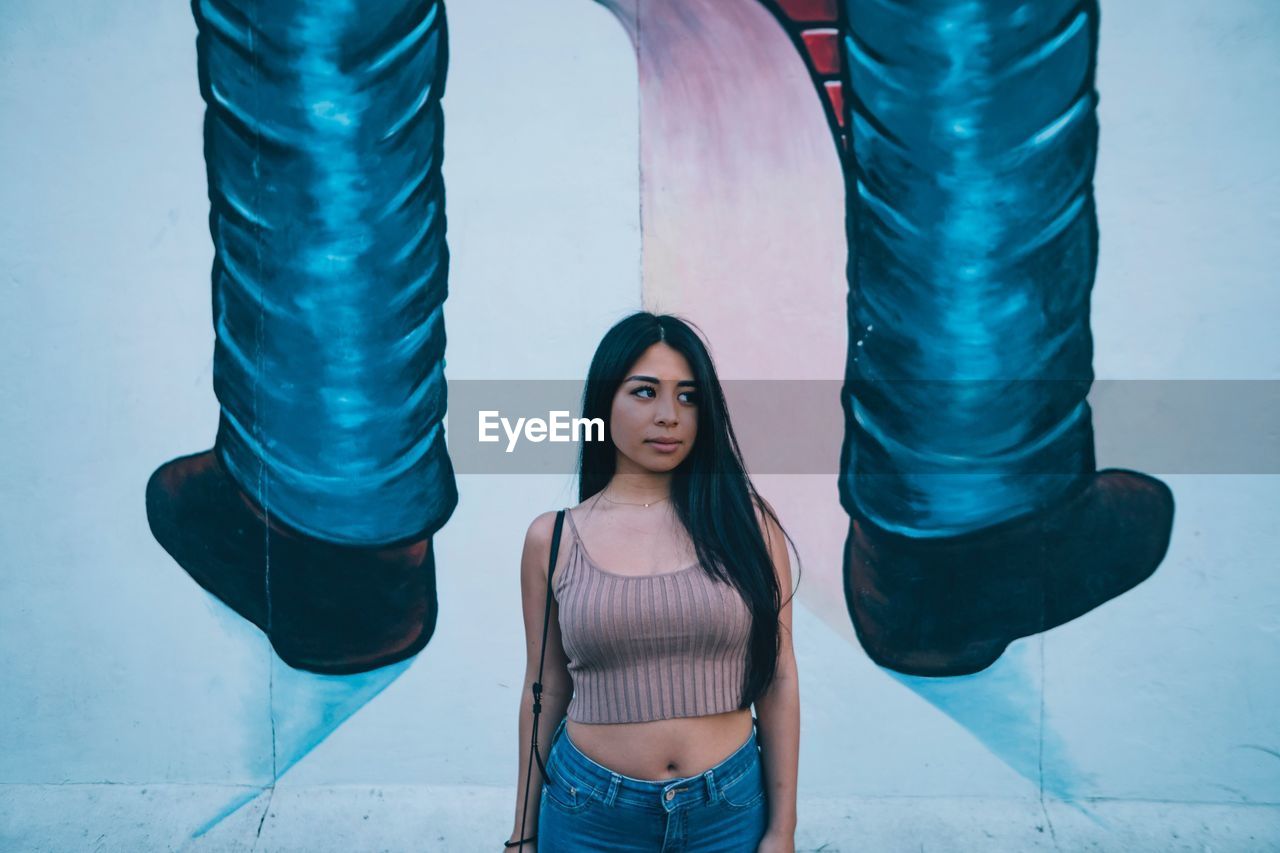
{"x":588,"y":807}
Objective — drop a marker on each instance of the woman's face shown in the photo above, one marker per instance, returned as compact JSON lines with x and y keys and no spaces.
{"x":656,"y":400}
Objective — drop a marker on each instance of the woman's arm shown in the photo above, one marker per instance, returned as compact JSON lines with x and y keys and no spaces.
{"x":778,"y":710}
{"x":557,"y":687}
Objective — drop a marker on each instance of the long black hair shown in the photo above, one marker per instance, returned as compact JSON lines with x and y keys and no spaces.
{"x":710,"y":491}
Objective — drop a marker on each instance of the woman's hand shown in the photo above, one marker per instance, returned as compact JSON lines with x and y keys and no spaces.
{"x":777,"y":842}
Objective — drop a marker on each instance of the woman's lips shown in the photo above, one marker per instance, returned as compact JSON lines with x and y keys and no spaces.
{"x":663,"y":446}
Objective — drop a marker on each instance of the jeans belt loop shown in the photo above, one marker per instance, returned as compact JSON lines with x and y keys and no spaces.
{"x":611,"y":792}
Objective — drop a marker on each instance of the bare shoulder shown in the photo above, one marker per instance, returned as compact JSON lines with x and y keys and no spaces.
{"x":537,"y":545}
{"x":538,"y":536}
{"x":540,"y":529}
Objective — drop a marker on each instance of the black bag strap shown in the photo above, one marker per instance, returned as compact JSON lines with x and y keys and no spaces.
{"x":537,"y":685}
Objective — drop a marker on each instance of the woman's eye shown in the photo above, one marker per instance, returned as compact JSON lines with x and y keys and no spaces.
{"x":689,"y":396}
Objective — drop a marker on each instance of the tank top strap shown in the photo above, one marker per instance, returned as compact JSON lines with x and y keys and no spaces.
{"x":570,"y":545}
{"x":573,"y":527}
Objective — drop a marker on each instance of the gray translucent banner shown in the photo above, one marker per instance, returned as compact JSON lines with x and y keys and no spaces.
{"x":1157,"y":426}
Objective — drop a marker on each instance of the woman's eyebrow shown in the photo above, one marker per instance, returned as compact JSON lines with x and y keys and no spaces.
{"x":656,"y":381}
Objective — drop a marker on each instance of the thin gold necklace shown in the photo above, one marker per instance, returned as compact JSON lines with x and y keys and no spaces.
{"x":624,"y":503}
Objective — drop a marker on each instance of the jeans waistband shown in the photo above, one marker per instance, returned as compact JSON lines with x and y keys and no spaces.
{"x":569,"y":763}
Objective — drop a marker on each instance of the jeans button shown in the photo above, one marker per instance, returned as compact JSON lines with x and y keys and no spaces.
{"x":671,"y":794}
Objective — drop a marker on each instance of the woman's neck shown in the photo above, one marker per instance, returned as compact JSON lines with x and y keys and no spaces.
{"x":638,"y":488}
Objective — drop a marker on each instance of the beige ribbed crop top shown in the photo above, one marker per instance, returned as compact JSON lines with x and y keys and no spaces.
{"x":649,"y":647}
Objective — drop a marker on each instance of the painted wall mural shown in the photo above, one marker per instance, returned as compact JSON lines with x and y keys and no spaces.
{"x":979,"y":515}
{"x":312,"y":515}
{"x":966,"y":135}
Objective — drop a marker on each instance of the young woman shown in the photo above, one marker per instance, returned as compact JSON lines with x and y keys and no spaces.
{"x":668,"y":623}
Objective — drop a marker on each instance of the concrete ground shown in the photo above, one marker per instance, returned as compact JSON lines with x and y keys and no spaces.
{"x":312,"y":819}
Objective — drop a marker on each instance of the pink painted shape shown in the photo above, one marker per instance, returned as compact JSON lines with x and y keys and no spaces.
{"x":743,"y":231}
